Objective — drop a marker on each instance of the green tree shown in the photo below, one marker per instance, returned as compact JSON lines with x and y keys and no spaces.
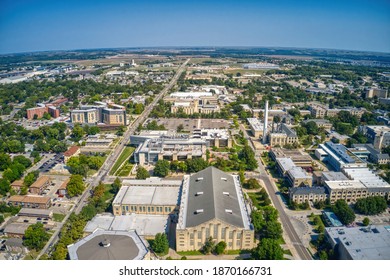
{"x":77,"y":132}
{"x":267,"y":249}
{"x":30,"y":178}
{"x":35,"y":237}
{"x":5,"y":161}
{"x":116,"y":185}
{"x":22,"y":160}
{"x":273,"y":229}
{"x":160,"y":244}
{"x":196,"y":164}
{"x":60,"y":252}
{"x":1,"y":219}
{"x":208,"y":246}
{"x":252,"y":183}
{"x":139,"y":108}
{"x":220,"y":247}
{"x":5,"y":186}
{"x":248,"y":157}
{"x":372,"y":205}
{"x":75,"y":185}
{"x":180,"y":128}
{"x":142,"y":173}
{"x":344,"y":212}
{"x":161,"y":168}
{"x":366,"y":221}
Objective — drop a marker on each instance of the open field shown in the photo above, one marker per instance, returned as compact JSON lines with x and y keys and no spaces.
{"x":127,"y":152}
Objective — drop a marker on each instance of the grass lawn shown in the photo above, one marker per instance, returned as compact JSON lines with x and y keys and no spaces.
{"x":32,"y":254}
{"x":237,"y":252}
{"x":58,"y":217}
{"x":124,"y":170}
{"x":127,"y":152}
{"x":108,"y":195}
{"x":190,"y":253}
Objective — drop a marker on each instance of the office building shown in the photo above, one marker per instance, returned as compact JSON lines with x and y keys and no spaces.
{"x":378,"y":135}
{"x":170,"y":148}
{"x":368,"y":152}
{"x":360,"y":243}
{"x":285,"y":136}
{"x":212,"y":204}
{"x":151,"y":196}
{"x":214,"y":137}
{"x":338,"y":156}
{"x":372,"y":92}
{"x":303,"y":194}
{"x":256,"y":127}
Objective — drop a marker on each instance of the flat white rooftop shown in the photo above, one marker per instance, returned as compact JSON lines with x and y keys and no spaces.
{"x":145,"y":225}
{"x":147,"y":195}
{"x":334,"y":185}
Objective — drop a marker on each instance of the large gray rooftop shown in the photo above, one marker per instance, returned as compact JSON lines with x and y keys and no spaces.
{"x":214,"y":194}
{"x":109,"y":245}
{"x":367,"y":243}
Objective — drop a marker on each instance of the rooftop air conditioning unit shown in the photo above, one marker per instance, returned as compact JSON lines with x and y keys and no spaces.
{"x":198,"y":193}
{"x":198,"y":211}
{"x":229,"y":211}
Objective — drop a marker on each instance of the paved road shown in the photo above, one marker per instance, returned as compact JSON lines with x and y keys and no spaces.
{"x":112,"y":157}
{"x":276,"y":201}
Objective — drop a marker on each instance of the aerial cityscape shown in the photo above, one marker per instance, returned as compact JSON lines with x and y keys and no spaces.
{"x":196,"y":152}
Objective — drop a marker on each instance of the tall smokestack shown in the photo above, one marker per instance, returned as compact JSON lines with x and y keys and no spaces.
{"x":265,"y":123}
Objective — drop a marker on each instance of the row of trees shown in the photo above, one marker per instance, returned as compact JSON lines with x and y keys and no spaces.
{"x":74,"y":226}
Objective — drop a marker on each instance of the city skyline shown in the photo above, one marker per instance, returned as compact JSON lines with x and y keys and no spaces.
{"x":27,"y":26}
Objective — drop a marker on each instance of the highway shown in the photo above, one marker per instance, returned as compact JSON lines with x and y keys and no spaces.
{"x":112,"y":157}
{"x":278,"y":204}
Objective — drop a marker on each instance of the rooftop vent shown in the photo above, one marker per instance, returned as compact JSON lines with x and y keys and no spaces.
{"x":226,"y":193}
{"x":105,"y":243}
{"x":198,"y":211}
{"x":223,"y":179}
{"x":198,"y":193}
{"x":229,"y":211}
{"x":199,"y":179}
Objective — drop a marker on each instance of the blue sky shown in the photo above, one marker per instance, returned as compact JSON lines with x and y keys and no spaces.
{"x":28,"y":25}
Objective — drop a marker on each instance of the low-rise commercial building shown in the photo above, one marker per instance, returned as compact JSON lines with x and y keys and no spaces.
{"x":367,"y":151}
{"x":299,"y":158}
{"x":214,"y":137}
{"x":360,"y":243}
{"x":312,"y":194}
{"x":338,"y":156}
{"x":349,"y":190}
{"x":286,"y":136}
{"x":146,"y":225}
{"x":378,"y":135}
{"x":170,"y":148}
{"x":15,"y":230}
{"x":297,"y":177}
{"x":212,"y":204}
{"x":152,"y":196}
{"x":256,"y":127}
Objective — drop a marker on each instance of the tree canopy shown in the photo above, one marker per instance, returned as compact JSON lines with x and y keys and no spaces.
{"x":267,"y":249}
{"x":75,"y":185}
{"x":344,"y":212}
{"x":35,"y":237}
{"x":372,"y":205}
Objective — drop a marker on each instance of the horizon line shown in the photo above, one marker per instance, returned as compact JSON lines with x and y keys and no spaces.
{"x":187,"y":47}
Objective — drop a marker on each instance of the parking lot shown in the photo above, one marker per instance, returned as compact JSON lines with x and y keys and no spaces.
{"x":191,"y":124}
{"x":49,"y":164}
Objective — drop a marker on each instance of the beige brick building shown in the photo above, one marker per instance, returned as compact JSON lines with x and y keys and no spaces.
{"x":212,"y":204}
